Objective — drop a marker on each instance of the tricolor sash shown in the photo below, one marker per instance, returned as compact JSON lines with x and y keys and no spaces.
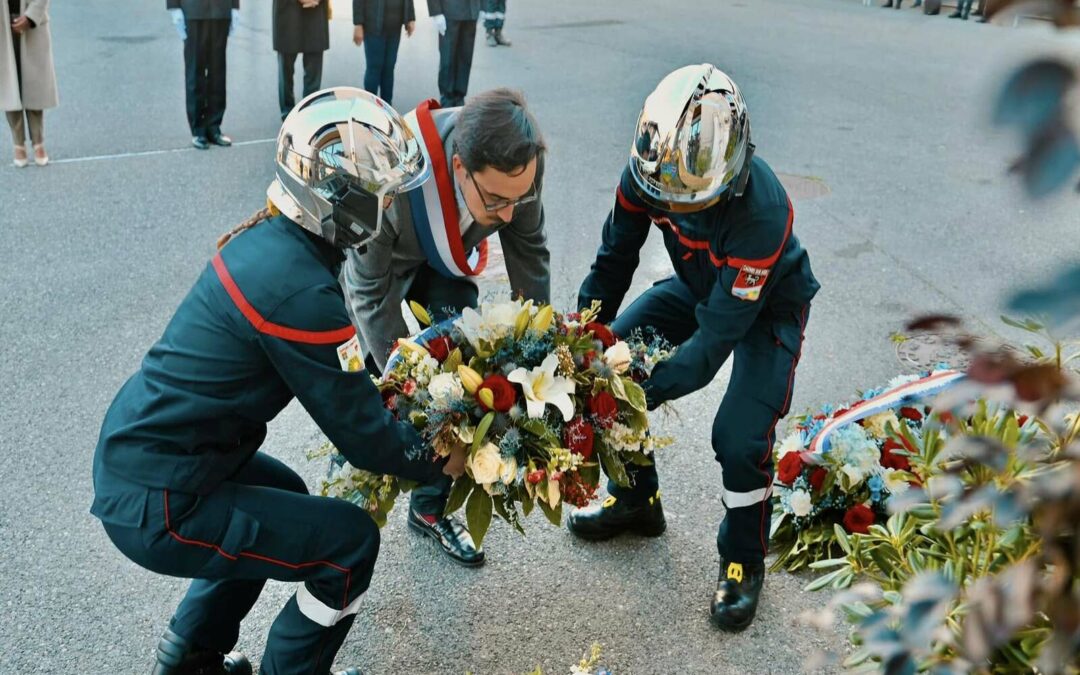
{"x":925,"y":387}
{"x":434,"y":205}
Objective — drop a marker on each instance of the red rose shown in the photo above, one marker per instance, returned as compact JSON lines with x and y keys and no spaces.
{"x":1022,"y":420}
{"x":535,"y":477}
{"x":408,"y":387}
{"x":440,"y":348}
{"x":604,"y":408}
{"x":502,"y":391}
{"x":817,"y":477}
{"x":578,"y":436}
{"x":911,"y":414}
{"x":890,"y":460}
{"x":601,"y":333}
{"x":586,"y":361}
{"x":858,"y":519}
{"x":947,"y":418}
{"x":791,"y":465}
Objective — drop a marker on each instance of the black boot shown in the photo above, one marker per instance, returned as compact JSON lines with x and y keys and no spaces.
{"x":500,"y":40}
{"x":888,"y":3}
{"x":957,"y":14}
{"x":177,"y":656}
{"x":737,"y":591}
{"x":614,"y":517}
{"x":492,"y":41}
{"x":452,"y":537}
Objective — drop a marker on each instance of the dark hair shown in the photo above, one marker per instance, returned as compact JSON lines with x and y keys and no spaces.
{"x":495,"y":129}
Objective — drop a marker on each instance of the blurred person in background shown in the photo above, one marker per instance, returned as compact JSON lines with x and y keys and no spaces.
{"x":377,"y":26}
{"x":27,"y":76}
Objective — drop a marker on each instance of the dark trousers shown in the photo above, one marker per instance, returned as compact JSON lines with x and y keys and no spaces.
{"x":380,"y":54}
{"x":743,"y":431}
{"x":204,"y":65}
{"x":443,"y":298}
{"x":494,"y":14}
{"x":286,"y":69}
{"x":455,"y":61}
{"x":259,"y":525}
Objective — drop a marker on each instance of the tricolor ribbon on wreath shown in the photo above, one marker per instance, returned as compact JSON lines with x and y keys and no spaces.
{"x":434,"y":204}
{"x":890,"y":399}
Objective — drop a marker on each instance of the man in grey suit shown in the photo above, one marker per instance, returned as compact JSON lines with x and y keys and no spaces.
{"x":205,"y":27}
{"x":492,"y":157}
{"x":456,"y":21}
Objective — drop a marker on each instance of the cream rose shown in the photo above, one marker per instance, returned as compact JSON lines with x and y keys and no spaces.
{"x":485,"y":464}
{"x":617,"y":357}
{"x":508,"y":472}
{"x":445,"y":388}
{"x":792,"y":443}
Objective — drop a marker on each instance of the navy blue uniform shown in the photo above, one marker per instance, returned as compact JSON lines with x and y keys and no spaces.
{"x":179,"y":484}
{"x":742,"y":285}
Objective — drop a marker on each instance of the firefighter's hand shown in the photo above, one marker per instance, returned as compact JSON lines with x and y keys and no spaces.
{"x":455,"y":466}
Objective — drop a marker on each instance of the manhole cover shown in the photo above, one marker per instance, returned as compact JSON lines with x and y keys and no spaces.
{"x":803,"y":187}
{"x":926,"y":351}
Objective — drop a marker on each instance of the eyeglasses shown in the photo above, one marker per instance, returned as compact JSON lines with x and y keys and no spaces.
{"x":492,"y":205}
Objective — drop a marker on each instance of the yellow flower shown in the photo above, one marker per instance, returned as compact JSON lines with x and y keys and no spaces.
{"x":875,"y":425}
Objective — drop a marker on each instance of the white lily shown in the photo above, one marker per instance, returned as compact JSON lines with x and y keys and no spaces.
{"x":617,"y":357}
{"x":542,"y":387}
{"x":493,"y":322}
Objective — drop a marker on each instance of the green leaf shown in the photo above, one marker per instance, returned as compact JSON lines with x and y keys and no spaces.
{"x":842,"y":538}
{"x":478,"y":514}
{"x":458,"y":493}
{"x":481,"y":430}
{"x":554,"y":515}
{"x":537,"y":428}
{"x":832,"y":562}
{"x":613,"y":466}
{"x":527,"y":505}
{"x":618,"y":388}
{"x":639,"y":458}
{"x":1013,"y":322}
{"x":823,"y":581}
{"x":1035,"y":351}
{"x":450,"y":365}
{"x":635,"y":395}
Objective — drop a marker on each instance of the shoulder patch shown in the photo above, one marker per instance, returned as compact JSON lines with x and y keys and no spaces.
{"x":749,"y":282}
{"x":350,"y":356}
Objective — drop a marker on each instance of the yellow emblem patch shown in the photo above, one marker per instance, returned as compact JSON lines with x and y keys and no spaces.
{"x":734,"y":571}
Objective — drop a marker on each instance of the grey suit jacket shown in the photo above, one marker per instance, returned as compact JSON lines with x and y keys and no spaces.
{"x":455,"y":10}
{"x":377,"y":279}
{"x":204,"y":9}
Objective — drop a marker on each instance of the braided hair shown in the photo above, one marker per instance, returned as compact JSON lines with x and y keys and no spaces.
{"x":259,"y":216}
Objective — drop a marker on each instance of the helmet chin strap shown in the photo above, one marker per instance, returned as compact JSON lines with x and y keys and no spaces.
{"x":744,"y":174}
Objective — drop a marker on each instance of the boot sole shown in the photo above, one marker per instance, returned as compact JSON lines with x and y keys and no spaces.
{"x":420,"y":529}
{"x":732,"y":627}
{"x":604,"y":536}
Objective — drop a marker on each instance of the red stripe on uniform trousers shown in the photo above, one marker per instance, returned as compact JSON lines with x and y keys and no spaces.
{"x":254,"y":556}
{"x":311,"y":337}
{"x":769,"y":435}
{"x":692,"y":244}
{"x":771,"y":260}
{"x":626,"y":203}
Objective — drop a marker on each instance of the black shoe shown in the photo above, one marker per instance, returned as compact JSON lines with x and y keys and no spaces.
{"x":737,"y":591}
{"x":177,"y":656}
{"x":491,"y":40}
{"x":221,"y":139}
{"x":614,"y":517}
{"x":200,"y":142}
{"x":500,"y":40}
{"x":452,"y":537}
{"x":887,"y":4}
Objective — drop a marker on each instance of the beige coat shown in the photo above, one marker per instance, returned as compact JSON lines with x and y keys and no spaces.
{"x":38,"y":76}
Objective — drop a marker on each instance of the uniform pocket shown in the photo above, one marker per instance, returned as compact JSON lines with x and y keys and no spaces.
{"x":240,"y":534}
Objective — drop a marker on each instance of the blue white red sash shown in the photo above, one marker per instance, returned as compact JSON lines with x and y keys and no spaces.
{"x":434,"y":204}
{"x":925,"y":387}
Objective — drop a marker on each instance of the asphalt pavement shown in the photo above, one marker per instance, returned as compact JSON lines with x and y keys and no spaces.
{"x":877,"y":120}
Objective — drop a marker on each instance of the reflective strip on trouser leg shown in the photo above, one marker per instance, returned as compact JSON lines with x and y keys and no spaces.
{"x":736,"y":500}
{"x":320,"y":612}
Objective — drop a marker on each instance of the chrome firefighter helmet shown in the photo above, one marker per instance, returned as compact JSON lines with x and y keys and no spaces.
{"x":692,"y":142}
{"x":342,"y":153}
